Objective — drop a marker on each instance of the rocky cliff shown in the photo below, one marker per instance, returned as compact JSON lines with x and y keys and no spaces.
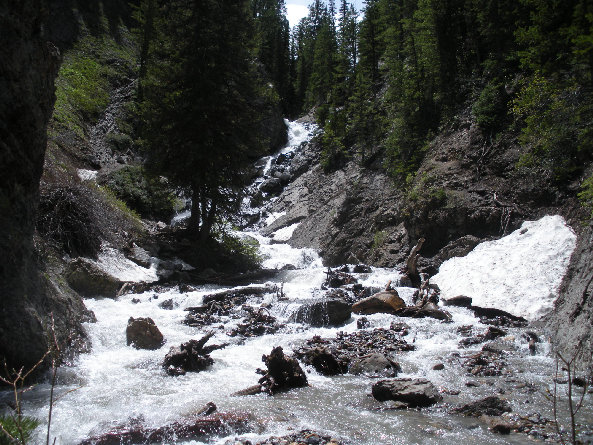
{"x":29,"y":66}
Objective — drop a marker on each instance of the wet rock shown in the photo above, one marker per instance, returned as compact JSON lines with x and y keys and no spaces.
{"x":489,"y":406}
{"x":331,"y":312}
{"x":272,"y":186}
{"x":438,"y":367}
{"x":383,"y":302}
{"x":258,"y":322}
{"x":167,"y":304}
{"x":142,"y":333}
{"x":139,"y":256}
{"x":283,"y":373}
{"x":196,"y":428}
{"x":491,"y":333}
{"x":375,"y":365}
{"x":304,"y":437}
{"x":429,"y":310}
{"x":361,"y":268}
{"x":498,"y":317}
{"x":459,"y":301}
{"x":412,"y":392}
{"x":86,"y":278}
{"x":362,"y":323}
{"x":338,"y":278}
{"x":192,"y":356}
{"x":326,"y":361}
{"x":485,"y":364}
{"x":400,"y":327}
{"x":499,"y":426}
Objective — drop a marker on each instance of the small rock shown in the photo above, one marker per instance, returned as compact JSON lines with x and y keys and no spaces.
{"x":459,"y":301}
{"x":375,"y":365}
{"x":489,"y":406}
{"x":331,"y":312}
{"x":142,"y":333}
{"x":438,"y":367}
{"x":362,"y":323}
{"x":167,"y":304}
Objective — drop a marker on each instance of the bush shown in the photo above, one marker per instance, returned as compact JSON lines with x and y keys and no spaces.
{"x":150,"y":196}
{"x":556,"y":134}
{"x":586,"y":195}
{"x":490,"y":109}
{"x":20,"y":428}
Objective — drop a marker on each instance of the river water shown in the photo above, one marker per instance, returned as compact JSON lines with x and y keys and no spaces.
{"x":116,"y":384}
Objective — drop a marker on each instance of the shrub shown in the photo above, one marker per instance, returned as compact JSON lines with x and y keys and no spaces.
{"x":150,"y":196}
{"x":490,"y":108}
{"x":20,"y":428}
{"x":586,"y":195}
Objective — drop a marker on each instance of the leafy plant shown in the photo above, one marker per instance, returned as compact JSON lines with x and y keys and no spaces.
{"x":586,"y":195}
{"x":490,"y":108}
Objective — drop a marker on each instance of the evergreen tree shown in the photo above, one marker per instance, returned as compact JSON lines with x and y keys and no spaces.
{"x":198,"y":109}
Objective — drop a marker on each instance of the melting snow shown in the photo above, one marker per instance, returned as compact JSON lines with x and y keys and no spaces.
{"x":87,"y":175}
{"x":519,"y":273}
{"x":117,"y":265}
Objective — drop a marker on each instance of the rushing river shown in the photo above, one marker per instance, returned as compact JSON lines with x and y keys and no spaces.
{"x":116,"y":384}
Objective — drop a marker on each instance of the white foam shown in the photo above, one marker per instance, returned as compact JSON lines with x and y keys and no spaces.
{"x":113,"y":262}
{"x":87,"y":175}
{"x":285,"y":233}
{"x":519,"y":273}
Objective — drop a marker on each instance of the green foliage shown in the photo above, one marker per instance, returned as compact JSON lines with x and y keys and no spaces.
{"x":556,"y":133}
{"x":378,"y":239}
{"x":423,"y":193}
{"x":148,"y":195}
{"x":19,"y":427}
{"x":586,"y":195}
{"x":490,"y":108}
{"x":244,"y":249}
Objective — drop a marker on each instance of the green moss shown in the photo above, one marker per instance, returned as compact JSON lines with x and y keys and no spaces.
{"x":586,"y":195}
{"x":423,"y":193}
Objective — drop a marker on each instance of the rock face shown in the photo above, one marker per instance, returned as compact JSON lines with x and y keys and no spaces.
{"x":413,"y":392}
{"x":383,"y":302}
{"x":27,"y":71}
{"x":143,"y":333}
{"x":572,"y":320}
{"x":88,"y":280}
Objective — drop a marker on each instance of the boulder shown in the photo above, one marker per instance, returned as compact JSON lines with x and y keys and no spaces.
{"x":86,"y":278}
{"x":331,"y":312}
{"x":142,"y":333}
{"x":383,"y":302}
{"x":489,"y":406}
{"x":459,"y":301}
{"x":325,"y":361}
{"x":272,"y":185}
{"x":428,"y":310}
{"x":413,"y":392}
{"x":375,"y":365}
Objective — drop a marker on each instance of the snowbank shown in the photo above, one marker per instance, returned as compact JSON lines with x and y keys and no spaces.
{"x":519,"y":273}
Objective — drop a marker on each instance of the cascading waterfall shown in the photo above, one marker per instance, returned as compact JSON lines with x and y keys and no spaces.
{"x":116,"y":384}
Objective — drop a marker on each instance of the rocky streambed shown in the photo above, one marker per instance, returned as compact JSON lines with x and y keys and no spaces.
{"x":313,"y":355}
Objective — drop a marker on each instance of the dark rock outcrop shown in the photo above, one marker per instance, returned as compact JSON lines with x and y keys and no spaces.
{"x":412,"y":392}
{"x":375,"y":365}
{"x":571,"y":322}
{"x":29,"y":299}
{"x":143,"y":333}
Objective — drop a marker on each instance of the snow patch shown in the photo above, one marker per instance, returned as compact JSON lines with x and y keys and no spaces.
{"x":519,"y":273}
{"x":113,"y":262}
{"x":285,"y":233}
{"x":86,"y":175}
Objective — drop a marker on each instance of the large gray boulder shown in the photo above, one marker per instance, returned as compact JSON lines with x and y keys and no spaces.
{"x":412,"y":392}
{"x":86,"y":278}
{"x":383,"y":302}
